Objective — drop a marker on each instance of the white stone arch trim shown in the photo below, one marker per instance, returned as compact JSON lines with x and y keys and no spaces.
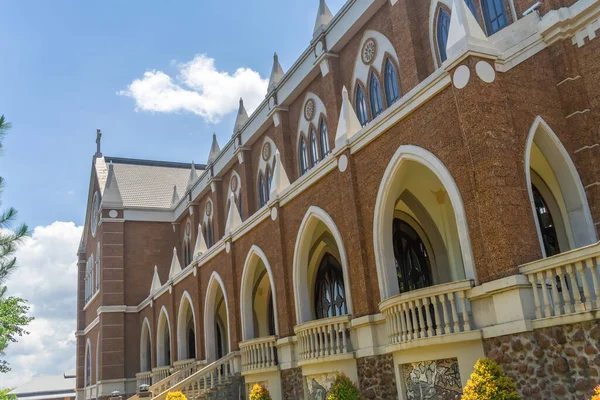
{"x":384,"y":212}
{"x":181,"y":334}
{"x":145,"y":325}
{"x":304,"y":124}
{"x":209,"y":315}
{"x":572,"y":190}
{"x":433,"y":27}
{"x":254,"y":255}
{"x":159,"y":342}
{"x":302,"y":248}
{"x":362,"y":71}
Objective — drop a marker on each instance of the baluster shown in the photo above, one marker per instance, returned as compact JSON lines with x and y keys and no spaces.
{"x":575,"y":286}
{"x":415,"y":325}
{"x":566,"y":292}
{"x":545,"y":296}
{"x":426,"y":304}
{"x":421,"y":318}
{"x":273,"y":354}
{"x":265,"y":355}
{"x":322,"y":349}
{"x":555,"y":296}
{"x":344,"y":340}
{"x":446,"y":326}
{"x":582,"y":267}
{"x":302,"y":346}
{"x":395,"y":326}
{"x":436,"y":316}
{"x":536,"y":295}
{"x":402,"y":327}
{"x":593,"y":266}
{"x":465,"y":311}
{"x":456,"y":326}
{"x":409,"y":325}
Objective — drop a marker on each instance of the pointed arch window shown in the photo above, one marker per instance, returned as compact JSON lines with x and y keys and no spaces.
{"x":330,"y":295}
{"x":375,"y":93}
{"x":98,"y":267}
{"x":88,"y":366}
{"x":269,"y":180}
{"x":314,"y":153}
{"x":442,"y":30}
{"x":208,"y":233}
{"x":546,"y":223}
{"x":413,"y":267}
{"x":324,"y":136}
{"x":392,"y":92}
{"x":494,"y":14}
{"x":303,"y":157}
{"x":361,"y":106}
{"x":261,"y":190}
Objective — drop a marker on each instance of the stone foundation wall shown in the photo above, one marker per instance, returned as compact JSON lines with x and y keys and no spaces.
{"x":234,"y":389}
{"x":292,"y":387}
{"x":376,"y":377}
{"x":561,"y":362}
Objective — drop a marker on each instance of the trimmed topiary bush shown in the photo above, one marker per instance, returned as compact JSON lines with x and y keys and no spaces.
{"x":175,"y":396}
{"x":259,"y":392}
{"x":343,"y":389}
{"x":489,"y":382}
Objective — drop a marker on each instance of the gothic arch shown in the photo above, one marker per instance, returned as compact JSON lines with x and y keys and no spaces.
{"x":146,"y":347}
{"x":390,"y":190}
{"x":163,"y":353}
{"x":304,"y":244}
{"x":215,"y":283}
{"x":568,"y":189}
{"x":253,"y":259}
{"x":182,"y":324}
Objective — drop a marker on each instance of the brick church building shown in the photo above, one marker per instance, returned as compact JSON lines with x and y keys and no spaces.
{"x":419,"y":190}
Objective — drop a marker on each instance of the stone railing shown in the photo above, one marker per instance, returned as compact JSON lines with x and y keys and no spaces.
{"x":258,"y":353}
{"x":160,"y":373}
{"x":143,"y":378}
{"x":425,"y":313}
{"x":566,"y":283}
{"x":181,"y":370}
{"x":324,"y":337}
{"x":205,"y":379}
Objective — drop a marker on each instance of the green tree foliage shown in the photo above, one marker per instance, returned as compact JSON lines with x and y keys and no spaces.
{"x":4,"y":395}
{"x":343,"y":389}
{"x":489,"y":382}
{"x":13,"y":310}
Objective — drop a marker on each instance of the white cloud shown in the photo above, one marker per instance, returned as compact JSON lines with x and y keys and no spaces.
{"x":198,"y":88}
{"x":47,"y":277}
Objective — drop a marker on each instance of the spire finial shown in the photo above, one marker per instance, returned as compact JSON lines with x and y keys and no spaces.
{"x":214,"y":149}
{"x":242,"y":118}
{"x":276,"y":74}
{"x":324,"y":16}
{"x":98,"y":143}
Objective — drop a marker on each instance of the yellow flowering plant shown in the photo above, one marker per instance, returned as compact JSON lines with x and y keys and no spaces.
{"x":596,"y":395}
{"x":489,"y":382}
{"x":343,"y":389}
{"x":176,"y":396}
{"x":259,"y":392}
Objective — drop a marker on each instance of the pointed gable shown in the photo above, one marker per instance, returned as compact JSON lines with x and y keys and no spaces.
{"x":276,"y":74}
{"x":193,"y":177}
{"x":465,"y":33}
{"x":175,"y":199}
{"x":234,"y":220}
{"x":280,"y":180}
{"x":241,"y":119}
{"x":348,"y":123}
{"x":324,"y":16}
{"x":156,"y":285}
{"x":175,"y":265}
{"x":214,"y":150}
{"x":201,"y":246}
{"x":112,"y":194}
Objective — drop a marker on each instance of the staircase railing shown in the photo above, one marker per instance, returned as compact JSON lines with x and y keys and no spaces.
{"x":183,"y":369}
{"x":204,"y":379}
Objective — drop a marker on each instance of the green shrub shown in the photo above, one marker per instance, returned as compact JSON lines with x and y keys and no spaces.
{"x":259,"y":392}
{"x":489,"y":382}
{"x":343,"y":389}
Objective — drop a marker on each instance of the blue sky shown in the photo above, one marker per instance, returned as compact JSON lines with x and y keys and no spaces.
{"x":69,"y":67}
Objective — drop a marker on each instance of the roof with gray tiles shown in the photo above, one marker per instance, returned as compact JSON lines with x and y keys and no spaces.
{"x":149,"y":184}
{"x":47,"y":387}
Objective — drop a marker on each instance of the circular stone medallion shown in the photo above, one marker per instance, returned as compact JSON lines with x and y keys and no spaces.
{"x":273,"y":213}
{"x":228,"y":247}
{"x":208,"y":209}
{"x":485,"y":72}
{"x":461,"y":76}
{"x":266,"y":151}
{"x":113,"y":214}
{"x":309,"y":110}
{"x":234,"y":183}
{"x":369,"y":51}
{"x":343,"y":163}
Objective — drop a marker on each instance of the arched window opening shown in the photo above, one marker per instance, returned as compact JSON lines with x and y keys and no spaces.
{"x":392,"y":92}
{"x":164,"y":340}
{"x":220,"y":345}
{"x":269,"y":179}
{"x":303,"y":157}
{"x":412,"y":261}
{"x":558,"y":199}
{"x":361,"y":107}
{"x":216,"y":320}
{"x":97,"y":267}
{"x":191,"y":339}
{"x":494,"y":15}
{"x":442,"y":31}
{"x":186,"y":330}
{"x":146,"y":348}
{"x":88,"y":365}
{"x":262,"y":199}
{"x":314,"y":153}
{"x":546,"y":223}
{"x":375,"y":96}
{"x":324,"y":137}
{"x":420,"y":233}
{"x":330,"y":296}
{"x":271,"y":309}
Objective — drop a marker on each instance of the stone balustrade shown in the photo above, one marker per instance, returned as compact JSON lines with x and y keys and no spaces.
{"x":204,"y":379}
{"x":143,"y":378}
{"x":566,"y":283}
{"x":323,"y":337}
{"x":425,"y":313}
{"x":160,"y":373}
{"x":258,"y":353}
{"x":181,"y":370}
